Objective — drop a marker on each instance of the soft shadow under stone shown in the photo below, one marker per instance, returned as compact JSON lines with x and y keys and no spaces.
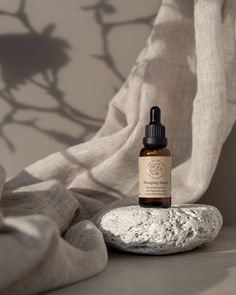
{"x":160,"y":231}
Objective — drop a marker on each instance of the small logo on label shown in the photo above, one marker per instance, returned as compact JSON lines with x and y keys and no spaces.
{"x":156,"y":169}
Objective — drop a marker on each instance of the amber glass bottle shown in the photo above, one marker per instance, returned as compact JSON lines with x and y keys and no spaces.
{"x":155,"y":165}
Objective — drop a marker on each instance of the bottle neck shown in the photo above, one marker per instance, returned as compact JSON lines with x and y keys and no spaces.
{"x":154,"y":143}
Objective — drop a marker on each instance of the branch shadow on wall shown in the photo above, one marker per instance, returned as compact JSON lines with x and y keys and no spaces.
{"x":22,"y":57}
{"x":100,"y":10}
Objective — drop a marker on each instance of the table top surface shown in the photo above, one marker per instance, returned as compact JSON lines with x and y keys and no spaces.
{"x":208,"y":270}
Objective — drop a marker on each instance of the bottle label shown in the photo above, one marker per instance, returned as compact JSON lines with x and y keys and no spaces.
{"x":155,"y":177}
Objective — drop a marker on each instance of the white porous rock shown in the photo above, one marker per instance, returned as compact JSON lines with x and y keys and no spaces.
{"x":160,"y":231}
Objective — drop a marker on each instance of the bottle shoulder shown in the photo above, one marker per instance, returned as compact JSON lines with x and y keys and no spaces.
{"x":144,"y":152}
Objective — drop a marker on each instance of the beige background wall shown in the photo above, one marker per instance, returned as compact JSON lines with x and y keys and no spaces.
{"x":56,"y":84}
{"x":60,"y":64}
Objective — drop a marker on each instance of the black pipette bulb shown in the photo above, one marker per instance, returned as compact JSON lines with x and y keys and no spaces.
{"x":155,"y":131}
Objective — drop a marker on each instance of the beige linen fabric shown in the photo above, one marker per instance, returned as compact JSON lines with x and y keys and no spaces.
{"x":187,"y":67}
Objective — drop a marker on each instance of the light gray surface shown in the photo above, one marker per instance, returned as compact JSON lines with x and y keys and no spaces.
{"x":210,"y":270}
{"x":160,"y":231}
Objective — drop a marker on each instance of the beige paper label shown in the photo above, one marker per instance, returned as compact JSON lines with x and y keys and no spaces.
{"x":155,"y":177}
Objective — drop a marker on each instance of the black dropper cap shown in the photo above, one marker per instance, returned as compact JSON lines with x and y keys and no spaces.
{"x":155,"y":131}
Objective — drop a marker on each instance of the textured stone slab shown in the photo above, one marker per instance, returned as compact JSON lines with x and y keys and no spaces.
{"x":160,"y":231}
